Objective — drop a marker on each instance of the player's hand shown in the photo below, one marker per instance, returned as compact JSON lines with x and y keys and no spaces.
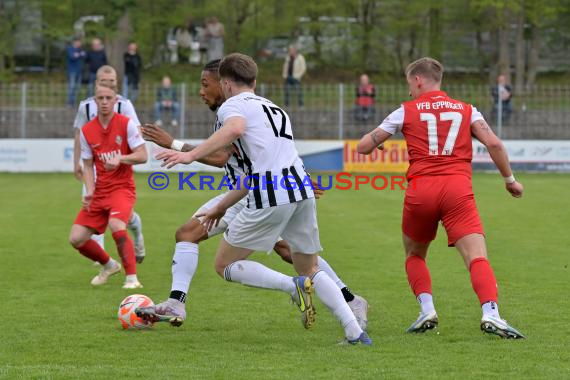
{"x":78,"y":172}
{"x":152,"y":132}
{"x":87,"y":198}
{"x":211,"y":217}
{"x":516,"y":189}
{"x":171,"y":158}
{"x":113,"y":162}
{"x":317,"y":190}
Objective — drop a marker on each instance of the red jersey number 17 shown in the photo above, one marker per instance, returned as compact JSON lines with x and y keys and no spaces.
{"x":430,"y":118}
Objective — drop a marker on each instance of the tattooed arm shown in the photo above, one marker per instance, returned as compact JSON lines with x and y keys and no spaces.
{"x":481,"y":130}
{"x":372,"y":140}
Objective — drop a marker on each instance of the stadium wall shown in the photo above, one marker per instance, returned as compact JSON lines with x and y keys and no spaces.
{"x":56,"y":155}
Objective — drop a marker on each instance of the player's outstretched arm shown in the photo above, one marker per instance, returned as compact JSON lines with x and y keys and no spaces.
{"x":373,"y":140}
{"x":481,"y":130}
{"x":138,"y":156}
{"x":159,"y":136}
{"x":233,"y":128}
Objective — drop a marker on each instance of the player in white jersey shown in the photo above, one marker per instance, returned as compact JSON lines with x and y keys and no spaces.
{"x":189,"y":235}
{"x":87,"y":111}
{"x":280,"y":198}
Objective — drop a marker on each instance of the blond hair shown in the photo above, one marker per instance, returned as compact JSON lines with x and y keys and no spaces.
{"x":105,"y":69}
{"x":426,"y":67}
{"x":106,"y":84}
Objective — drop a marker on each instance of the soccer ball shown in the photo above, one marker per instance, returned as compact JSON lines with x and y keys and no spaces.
{"x":127,"y":316}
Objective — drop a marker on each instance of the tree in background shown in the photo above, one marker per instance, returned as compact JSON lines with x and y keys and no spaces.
{"x":8,"y":23}
{"x":490,"y":36}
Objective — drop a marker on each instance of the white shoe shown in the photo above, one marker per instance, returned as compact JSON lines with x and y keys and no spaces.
{"x":359,"y":307}
{"x":158,"y":123}
{"x":105,"y":273}
{"x":171,"y":311}
{"x":497,"y":326}
{"x":132,"y":285}
{"x":174,"y":123}
{"x":424,"y":322}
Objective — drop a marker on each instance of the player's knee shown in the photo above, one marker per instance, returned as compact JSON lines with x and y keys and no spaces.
{"x":116,"y":225}
{"x":192,"y":232}
{"x":76,"y":241}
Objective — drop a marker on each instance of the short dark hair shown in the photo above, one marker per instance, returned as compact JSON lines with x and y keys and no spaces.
{"x":426,"y":67}
{"x":240,"y":68}
{"x":212,"y":66}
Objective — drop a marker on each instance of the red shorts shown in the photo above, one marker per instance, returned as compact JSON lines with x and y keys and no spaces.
{"x":447,"y":198}
{"x":116,"y":204}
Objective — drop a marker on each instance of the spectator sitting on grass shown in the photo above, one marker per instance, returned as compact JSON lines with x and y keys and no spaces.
{"x":166,"y":99}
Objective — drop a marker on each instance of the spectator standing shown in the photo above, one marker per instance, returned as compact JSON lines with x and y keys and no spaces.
{"x":96,"y":58}
{"x":294,"y":68}
{"x":504,"y":92}
{"x":166,"y":99}
{"x":215,"y":32}
{"x":365,"y":94}
{"x":74,"y":57}
{"x":133,"y":66}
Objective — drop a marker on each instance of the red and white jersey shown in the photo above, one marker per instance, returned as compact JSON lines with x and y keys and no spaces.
{"x":100,"y":144}
{"x":437,"y":130}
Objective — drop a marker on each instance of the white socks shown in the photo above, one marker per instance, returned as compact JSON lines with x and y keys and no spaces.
{"x":131,"y":278}
{"x":111,"y":263}
{"x":426,"y":303}
{"x":184,"y":264}
{"x":490,"y":308}
{"x":254,"y":274}
{"x":135,"y":225}
{"x":99,"y":239}
{"x":329,"y":294}
{"x":323,"y":265}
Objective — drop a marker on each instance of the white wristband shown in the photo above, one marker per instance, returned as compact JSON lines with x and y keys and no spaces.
{"x":510,"y":179}
{"x":177,"y":145}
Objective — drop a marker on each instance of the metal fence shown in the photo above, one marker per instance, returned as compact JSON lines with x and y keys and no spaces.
{"x":36,"y":110}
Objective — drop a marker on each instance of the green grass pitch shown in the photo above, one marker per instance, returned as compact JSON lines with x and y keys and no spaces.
{"x":53,"y":324}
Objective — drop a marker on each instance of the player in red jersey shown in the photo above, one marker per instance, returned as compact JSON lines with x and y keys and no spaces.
{"x":438,"y":131}
{"x":112,"y":143}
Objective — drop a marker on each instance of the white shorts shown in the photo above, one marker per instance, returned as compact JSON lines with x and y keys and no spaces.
{"x":260,"y":229}
{"x":228,"y":217}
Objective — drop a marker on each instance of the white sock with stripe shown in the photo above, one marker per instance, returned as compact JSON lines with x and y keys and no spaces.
{"x":324,"y":265}
{"x":254,"y":274}
{"x":331,"y":296}
{"x":184,"y":264}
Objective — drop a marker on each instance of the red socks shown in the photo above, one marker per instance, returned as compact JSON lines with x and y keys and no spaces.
{"x":483,"y":280}
{"x":93,"y":251}
{"x":418,"y":275}
{"x":126,"y":251}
